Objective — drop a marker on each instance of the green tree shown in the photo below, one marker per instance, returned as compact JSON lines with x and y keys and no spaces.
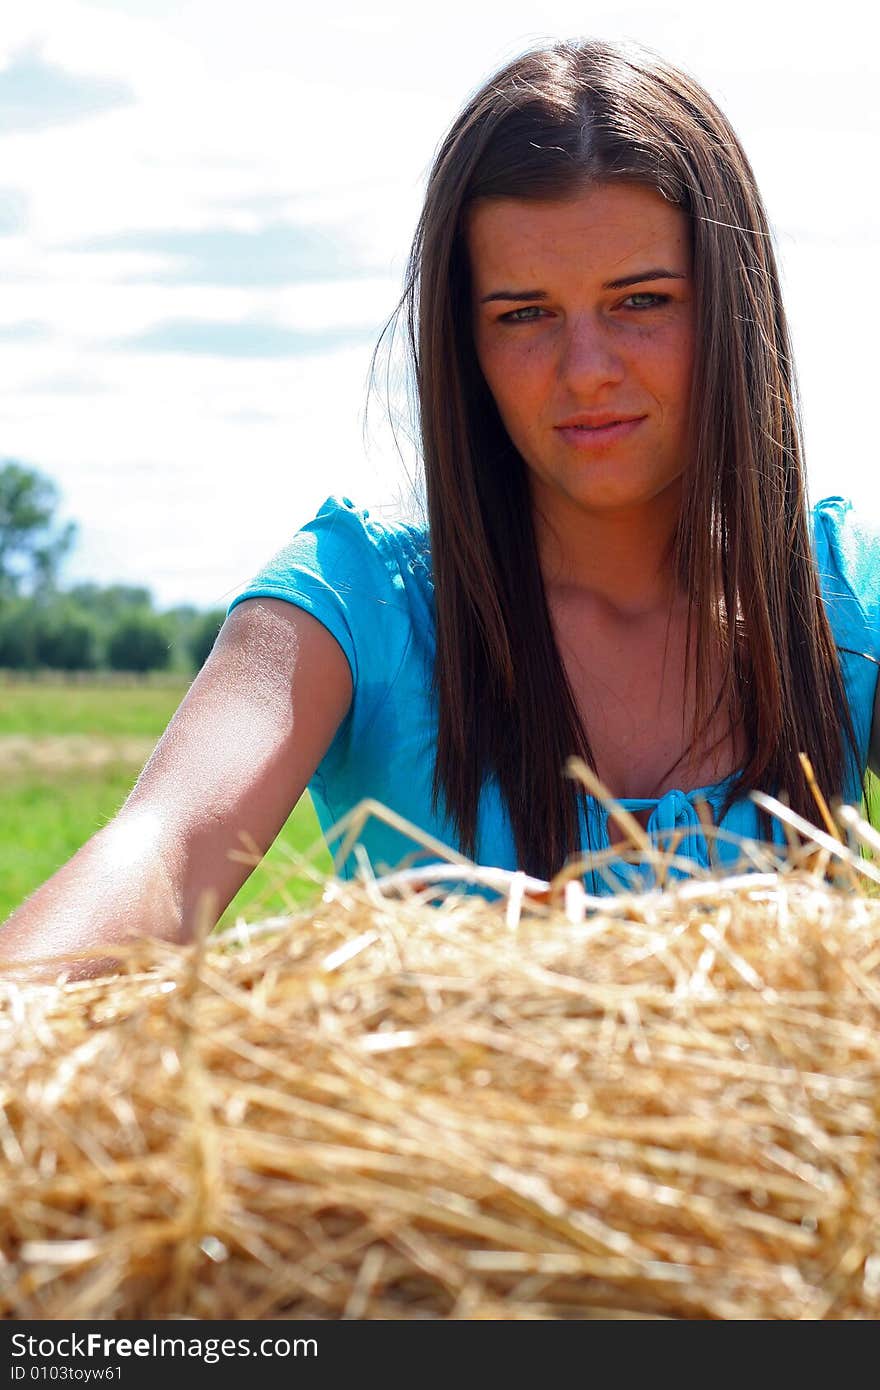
{"x":68,"y":639}
{"x":55,"y":634}
{"x":139,"y":642}
{"x":32,"y":549}
{"x":19,"y":629}
{"x":110,"y":601}
{"x":204,"y":635}
{"x":180,"y":622}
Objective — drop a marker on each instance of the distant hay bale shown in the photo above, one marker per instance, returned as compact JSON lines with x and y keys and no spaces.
{"x":666,"y":1105}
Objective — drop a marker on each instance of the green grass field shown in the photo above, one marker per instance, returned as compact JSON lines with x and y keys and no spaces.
{"x":55,"y":792}
{"x":134,"y":708}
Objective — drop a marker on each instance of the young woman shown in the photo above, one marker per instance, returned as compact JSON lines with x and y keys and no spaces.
{"x":617,"y":559}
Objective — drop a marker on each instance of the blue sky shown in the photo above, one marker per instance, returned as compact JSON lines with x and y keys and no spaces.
{"x":205,"y":211}
{"x":37,"y":94}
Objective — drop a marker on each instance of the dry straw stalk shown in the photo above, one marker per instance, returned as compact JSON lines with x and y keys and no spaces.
{"x":664,"y":1104}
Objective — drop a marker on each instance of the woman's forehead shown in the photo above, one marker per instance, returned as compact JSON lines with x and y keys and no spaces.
{"x":600,"y":229}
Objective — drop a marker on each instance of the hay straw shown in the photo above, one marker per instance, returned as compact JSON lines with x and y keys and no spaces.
{"x":818,"y":797}
{"x":659,"y":1104}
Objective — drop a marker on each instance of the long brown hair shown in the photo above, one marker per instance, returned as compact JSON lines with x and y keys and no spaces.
{"x":555,"y":120}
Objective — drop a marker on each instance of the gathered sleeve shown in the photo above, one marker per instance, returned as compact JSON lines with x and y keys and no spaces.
{"x":341,"y":568}
{"x":847,"y":552}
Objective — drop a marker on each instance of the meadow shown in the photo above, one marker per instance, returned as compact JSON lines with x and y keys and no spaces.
{"x":70,"y":752}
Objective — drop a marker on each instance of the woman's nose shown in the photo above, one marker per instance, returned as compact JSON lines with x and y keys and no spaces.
{"x":590,"y":354}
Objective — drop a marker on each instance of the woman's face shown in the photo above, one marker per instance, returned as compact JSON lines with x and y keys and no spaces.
{"x":559,"y":344}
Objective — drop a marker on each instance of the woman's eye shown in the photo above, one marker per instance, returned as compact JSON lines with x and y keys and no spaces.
{"x":645,"y":294}
{"x":530,"y":313}
{"x":524,"y":315}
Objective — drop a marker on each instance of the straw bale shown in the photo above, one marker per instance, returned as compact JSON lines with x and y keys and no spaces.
{"x":666,"y":1107}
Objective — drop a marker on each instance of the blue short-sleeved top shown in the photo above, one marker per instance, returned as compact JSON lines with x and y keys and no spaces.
{"x":370,"y":583}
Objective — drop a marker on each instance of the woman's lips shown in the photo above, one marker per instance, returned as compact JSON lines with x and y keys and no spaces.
{"x":583,"y":437}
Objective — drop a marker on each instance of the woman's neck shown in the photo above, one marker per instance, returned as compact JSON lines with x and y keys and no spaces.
{"x":615,"y":560}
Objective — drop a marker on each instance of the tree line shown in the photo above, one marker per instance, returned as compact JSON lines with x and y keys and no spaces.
{"x":87,"y":626}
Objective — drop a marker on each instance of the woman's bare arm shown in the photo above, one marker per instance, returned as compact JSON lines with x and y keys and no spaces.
{"x":236,"y":756}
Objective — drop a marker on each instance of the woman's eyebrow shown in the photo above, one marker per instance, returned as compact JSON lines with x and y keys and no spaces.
{"x":640,"y":277}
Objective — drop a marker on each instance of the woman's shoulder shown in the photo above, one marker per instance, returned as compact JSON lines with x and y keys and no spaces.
{"x":349,"y":547}
{"x":846,"y":545}
{"x":362,"y":576}
{"x":385,"y":529}
{"x":847,"y":541}
{"x":840,"y":514}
